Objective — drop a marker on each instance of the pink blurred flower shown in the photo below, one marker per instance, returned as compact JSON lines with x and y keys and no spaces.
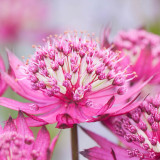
{"x":17,"y":141}
{"x":3,"y":84}
{"x":142,"y":51}
{"x":137,"y":130}
{"x":70,"y":80}
{"x":18,"y":17}
{"x":144,"y":48}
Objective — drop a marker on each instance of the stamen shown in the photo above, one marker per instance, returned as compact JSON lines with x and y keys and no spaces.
{"x":75,"y":62}
{"x":141,"y":127}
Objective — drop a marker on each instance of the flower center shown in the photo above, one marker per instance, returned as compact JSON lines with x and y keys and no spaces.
{"x":71,"y":67}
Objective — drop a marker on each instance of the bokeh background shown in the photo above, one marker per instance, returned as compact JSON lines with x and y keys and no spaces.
{"x":25,"y":22}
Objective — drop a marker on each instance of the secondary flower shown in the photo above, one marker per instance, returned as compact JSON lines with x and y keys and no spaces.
{"x":142,"y":51}
{"x":17,"y":141}
{"x":69,"y":79}
{"x":138,"y":132}
{"x":19,"y":16}
{"x":3,"y":84}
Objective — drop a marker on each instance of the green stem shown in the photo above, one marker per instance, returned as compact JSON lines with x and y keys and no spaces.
{"x":74,"y":141}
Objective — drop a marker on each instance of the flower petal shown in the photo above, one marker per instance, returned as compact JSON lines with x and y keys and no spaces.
{"x":25,"y":90}
{"x":23,"y":87}
{"x":42,"y":143}
{"x":22,"y":127}
{"x":107,"y":106}
{"x":3,"y":84}
{"x":104,"y":143}
{"x":30,"y":108}
{"x":32,"y":122}
{"x":54,"y":141}
{"x":96,"y":153}
{"x":52,"y":146}
{"x":2,"y":66}
{"x":1,"y":129}
{"x":3,"y":88}
{"x":141,"y":69}
{"x":105,"y":37}
{"x":112,"y":150}
{"x":25,"y":132}
{"x":10,"y":126}
{"x":124,"y":108}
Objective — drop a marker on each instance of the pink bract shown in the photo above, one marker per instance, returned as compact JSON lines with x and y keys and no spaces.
{"x":142,"y":51}
{"x":70,"y":80}
{"x":137,"y":130}
{"x":17,"y":141}
{"x":3,"y":84}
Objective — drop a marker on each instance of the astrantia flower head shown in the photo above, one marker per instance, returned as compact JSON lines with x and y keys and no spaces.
{"x":143,"y":51}
{"x":17,"y":142}
{"x":69,"y":67}
{"x":3,"y":84}
{"x":137,"y":130}
{"x":70,"y":78}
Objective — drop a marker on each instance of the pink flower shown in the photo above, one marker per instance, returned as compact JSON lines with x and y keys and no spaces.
{"x":70,"y":80}
{"x":17,"y":141}
{"x":137,"y":130}
{"x":142,"y":51}
{"x":3,"y":84}
{"x":18,"y":17}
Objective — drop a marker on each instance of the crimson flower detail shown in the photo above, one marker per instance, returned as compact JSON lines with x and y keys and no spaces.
{"x":137,"y":130}
{"x":17,"y":141}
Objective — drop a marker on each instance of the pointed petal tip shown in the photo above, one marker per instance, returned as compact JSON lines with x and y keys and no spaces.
{"x":83,"y":153}
{"x":44,"y":132}
{"x":1,"y":129}
{"x":10,"y":119}
{"x":42,"y":143}
{"x":54,"y":141}
{"x":104,"y":37}
{"x":20,"y":113}
{"x":44,"y":129}
{"x":10,"y":125}
{"x":96,"y":153}
{"x":9,"y":53}
{"x":20,"y":118}
{"x":88,"y":132}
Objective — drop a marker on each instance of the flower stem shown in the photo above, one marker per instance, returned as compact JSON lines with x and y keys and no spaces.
{"x":74,"y":141}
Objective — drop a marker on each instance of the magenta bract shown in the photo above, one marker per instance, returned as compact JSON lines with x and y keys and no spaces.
{"x":17,"y":141}
{"x":3,"y":84}
{"x":137,"y":130}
